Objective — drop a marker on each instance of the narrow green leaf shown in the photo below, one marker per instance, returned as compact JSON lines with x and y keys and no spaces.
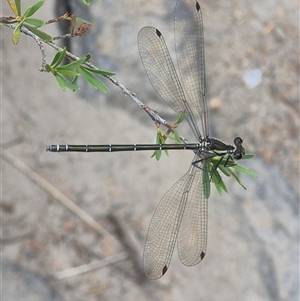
{"x":41,"y":34}
{"x":225,"y":170}
{"x":18,"y":6}
{"x":71,"y":86}
{"x":33,"y":8}
{"x":74,"y":80}
{"x":14,"y":7}
{"x":48,"y":68}
{"x":16,"y":33}
{"x":35,"y":22}
{"x":245,"y":171}
{"x":66,"y":72}
{"x":86,"y":2}
{"x":61,"y":81}
{"x":180,"y":118}
{"x":218,"y":188}
{"x":166,"y":152}
{"x":93,"y":80}
{"x":177,"y":137}
{"x":205,"y":179}
{"x":215,"y":177}
{"x":75,"y":64}
{"x":157,"y":154}
{"x":222,"y":185}
{"x":59,"y":56}
{"x":100,"y":71}
{"x":236,"y":177}
{"x":159,"y":138}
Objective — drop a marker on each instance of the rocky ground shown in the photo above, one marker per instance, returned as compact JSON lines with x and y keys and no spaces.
{"x":253,"y":238}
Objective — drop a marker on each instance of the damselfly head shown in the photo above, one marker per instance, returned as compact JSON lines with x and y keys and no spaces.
{"x":239,"y":149}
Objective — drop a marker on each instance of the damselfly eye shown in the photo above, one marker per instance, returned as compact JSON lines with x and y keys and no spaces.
{"x":238,"y":156}
{"x":238,"y":140}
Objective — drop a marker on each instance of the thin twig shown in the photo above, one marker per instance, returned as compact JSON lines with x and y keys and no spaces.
{"x":55,"y":193}
{"x":38,"y":41}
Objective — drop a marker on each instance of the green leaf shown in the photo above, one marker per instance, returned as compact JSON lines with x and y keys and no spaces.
{"x":48,"y":68}
{"x":63,"y":83}
{"x":218,"y":188}
{"x":66,"y":71}
{"x":100,"y":71}
{"x":222,"y":185}
{"x":58,"y":58}
{"x":15,"y":7}
{"x":33,"y":8}
{"x":236,"y":177}
{"x":35,"y":22}
{"x":225,"y":170}
{"x":75,"y":64}
{"x":166,"y":152}
{"x":245,"y":171}
{"x":86,"y":2}
{"x":157,"y":154}
{"x":16,"y":33}
{"x":177,"y":137}
{"x":180,"y":118}
{"x":74,"y":80}
{"x":18,"y":6}
{"x":218,"y":181}
{"x":205,"y":179}
{"x":93,"y":80}
{"x":41,"y":34}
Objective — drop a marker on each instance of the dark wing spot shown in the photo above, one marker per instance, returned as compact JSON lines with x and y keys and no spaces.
{"x":158,"y":32}
{"x":164,"y":271}
{"x":202,"y":255}
{"x":197,"y":6}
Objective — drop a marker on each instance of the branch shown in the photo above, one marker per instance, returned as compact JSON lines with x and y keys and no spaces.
{"x":151,"y":113}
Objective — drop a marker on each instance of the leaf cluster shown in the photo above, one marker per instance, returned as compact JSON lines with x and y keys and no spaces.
{"x":212,"y":164}
{"x":32,"y":24}
{"x":74,"y":70}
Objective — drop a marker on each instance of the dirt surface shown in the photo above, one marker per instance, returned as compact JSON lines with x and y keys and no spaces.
{"x":253,"y":242}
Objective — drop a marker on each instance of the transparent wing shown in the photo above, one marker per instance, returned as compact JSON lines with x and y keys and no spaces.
{"x":161,"y":73}
{"x":164,"y":226}
{"x":189,"y":45}
{"x":192,"y":235}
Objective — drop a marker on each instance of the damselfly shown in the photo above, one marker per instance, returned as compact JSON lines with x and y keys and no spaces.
{"x":182,"y":213}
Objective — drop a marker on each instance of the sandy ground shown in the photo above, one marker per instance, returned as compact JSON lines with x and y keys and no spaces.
{"x":253,"y":242}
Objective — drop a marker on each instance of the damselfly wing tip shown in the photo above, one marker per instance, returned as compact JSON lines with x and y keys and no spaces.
{"x":155,"y":274}
{"x":164,"y":271}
